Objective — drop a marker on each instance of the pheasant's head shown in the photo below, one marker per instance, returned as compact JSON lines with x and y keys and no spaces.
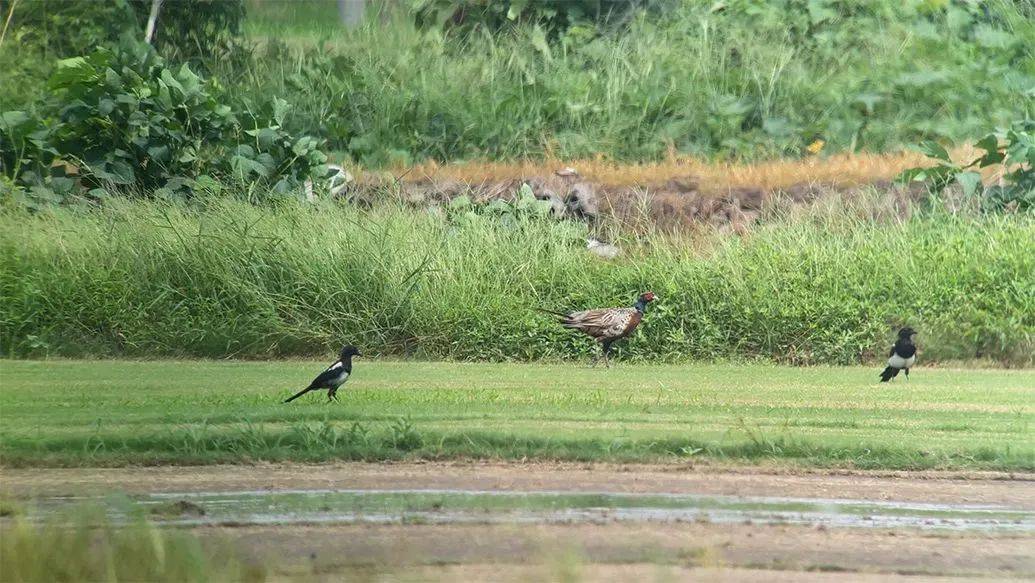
{"x":647,"y":297}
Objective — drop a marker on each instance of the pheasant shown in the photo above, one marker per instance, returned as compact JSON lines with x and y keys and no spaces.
{"x":606,"y":325}
{"x":903,"y":355}
{"x":333,"y":377}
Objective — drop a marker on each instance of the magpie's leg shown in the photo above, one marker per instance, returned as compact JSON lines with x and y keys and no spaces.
{"x":332,"y":395}
{"x":907,"y":373}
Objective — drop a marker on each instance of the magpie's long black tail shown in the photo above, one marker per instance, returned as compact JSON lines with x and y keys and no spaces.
{"x":888,"y":374}
{"x":298,"y":394}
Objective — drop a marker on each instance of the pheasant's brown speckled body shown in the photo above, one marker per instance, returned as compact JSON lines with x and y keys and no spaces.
{"x":606,"y":325}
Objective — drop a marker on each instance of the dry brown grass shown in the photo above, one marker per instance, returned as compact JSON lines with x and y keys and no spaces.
{"x":680,"y":192}
{"x":840,"y":170}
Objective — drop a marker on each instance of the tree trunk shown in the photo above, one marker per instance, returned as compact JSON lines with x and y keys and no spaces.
{"x":152,"y":20}
{"x":7,"y":21}
{"x":352,"y":12}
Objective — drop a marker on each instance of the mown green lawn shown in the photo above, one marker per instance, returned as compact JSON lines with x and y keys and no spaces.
{"x":116,"y":413}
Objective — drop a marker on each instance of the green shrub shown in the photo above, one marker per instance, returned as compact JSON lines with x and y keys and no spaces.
{"x":125,"y":119}
{"x":1012,"y":150}
{"x":231,"y":279}
{"x":195,"y":30}
{"x":185,"y":28}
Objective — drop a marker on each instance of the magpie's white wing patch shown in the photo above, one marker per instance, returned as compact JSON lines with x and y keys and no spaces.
{"x":335,"y":365}
{"x":897,"y":361}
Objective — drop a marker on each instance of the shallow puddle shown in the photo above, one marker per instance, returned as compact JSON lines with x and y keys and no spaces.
{"x":465,"y":506}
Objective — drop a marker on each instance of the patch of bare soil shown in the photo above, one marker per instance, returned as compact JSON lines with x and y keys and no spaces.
{"x":670,"y":204}
{"x":671,"y":194}
{"x":1014,"y":490}
{"x":603,"y":551}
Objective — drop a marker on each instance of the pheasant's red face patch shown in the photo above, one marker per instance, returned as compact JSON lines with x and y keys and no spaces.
{"x":649,"y":296}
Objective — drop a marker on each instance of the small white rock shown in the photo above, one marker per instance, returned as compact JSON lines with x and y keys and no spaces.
{"x":339,"y":180}
{"x":601,"y":249}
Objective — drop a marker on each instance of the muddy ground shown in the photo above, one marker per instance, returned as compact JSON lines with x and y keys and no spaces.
{"x":1016,"y":490}
{"x":601,"y":550}
{"x":349,"y":548}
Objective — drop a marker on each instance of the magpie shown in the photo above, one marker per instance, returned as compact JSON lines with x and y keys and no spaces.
{"x":903,"y":355}
{"x":332,"y":378}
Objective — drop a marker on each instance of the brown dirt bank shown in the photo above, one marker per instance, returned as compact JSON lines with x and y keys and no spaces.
{"x":670,"y":194}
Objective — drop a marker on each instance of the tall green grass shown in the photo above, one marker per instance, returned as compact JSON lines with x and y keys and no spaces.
{"x":733,"y":79}
{"x":230,"y":279}
{"x":741,"y":79}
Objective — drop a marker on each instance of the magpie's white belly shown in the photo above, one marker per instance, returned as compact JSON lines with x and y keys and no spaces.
{"x":338,"y":380}
{"x":897,"y":361}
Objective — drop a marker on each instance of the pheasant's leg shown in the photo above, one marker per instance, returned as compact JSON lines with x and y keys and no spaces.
{"x":607,"y":355}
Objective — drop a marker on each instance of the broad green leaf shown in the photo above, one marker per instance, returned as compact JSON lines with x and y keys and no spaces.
{"x":264,"y":137}
{"x":170,"y":81}
{"x":989,"y":143}
{"x":280,"y":110}
{"x":244,"y":167}
{"x":69,"y":72}
{"x":116,"y":171}
{"x":269,"y":162}
{"x":11,"y":120}
{"x":112,"y":79}
{"x":159,"y":153}
{"x":303,"y":145}
{"x":970,"y":181}
{"x":935,"y":150}
{"x":189,"y":82}
{"x":105,"y":106}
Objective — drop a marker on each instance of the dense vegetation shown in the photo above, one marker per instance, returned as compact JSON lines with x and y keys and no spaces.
{"x":731,"y":79}
{"x":226,"y":278}
{"x":243,"y":108}
{"x":126,"y":413}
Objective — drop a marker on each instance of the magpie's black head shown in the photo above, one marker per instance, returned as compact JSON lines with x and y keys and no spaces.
{"x":906,"y":333}
{"x":349,"y":350}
